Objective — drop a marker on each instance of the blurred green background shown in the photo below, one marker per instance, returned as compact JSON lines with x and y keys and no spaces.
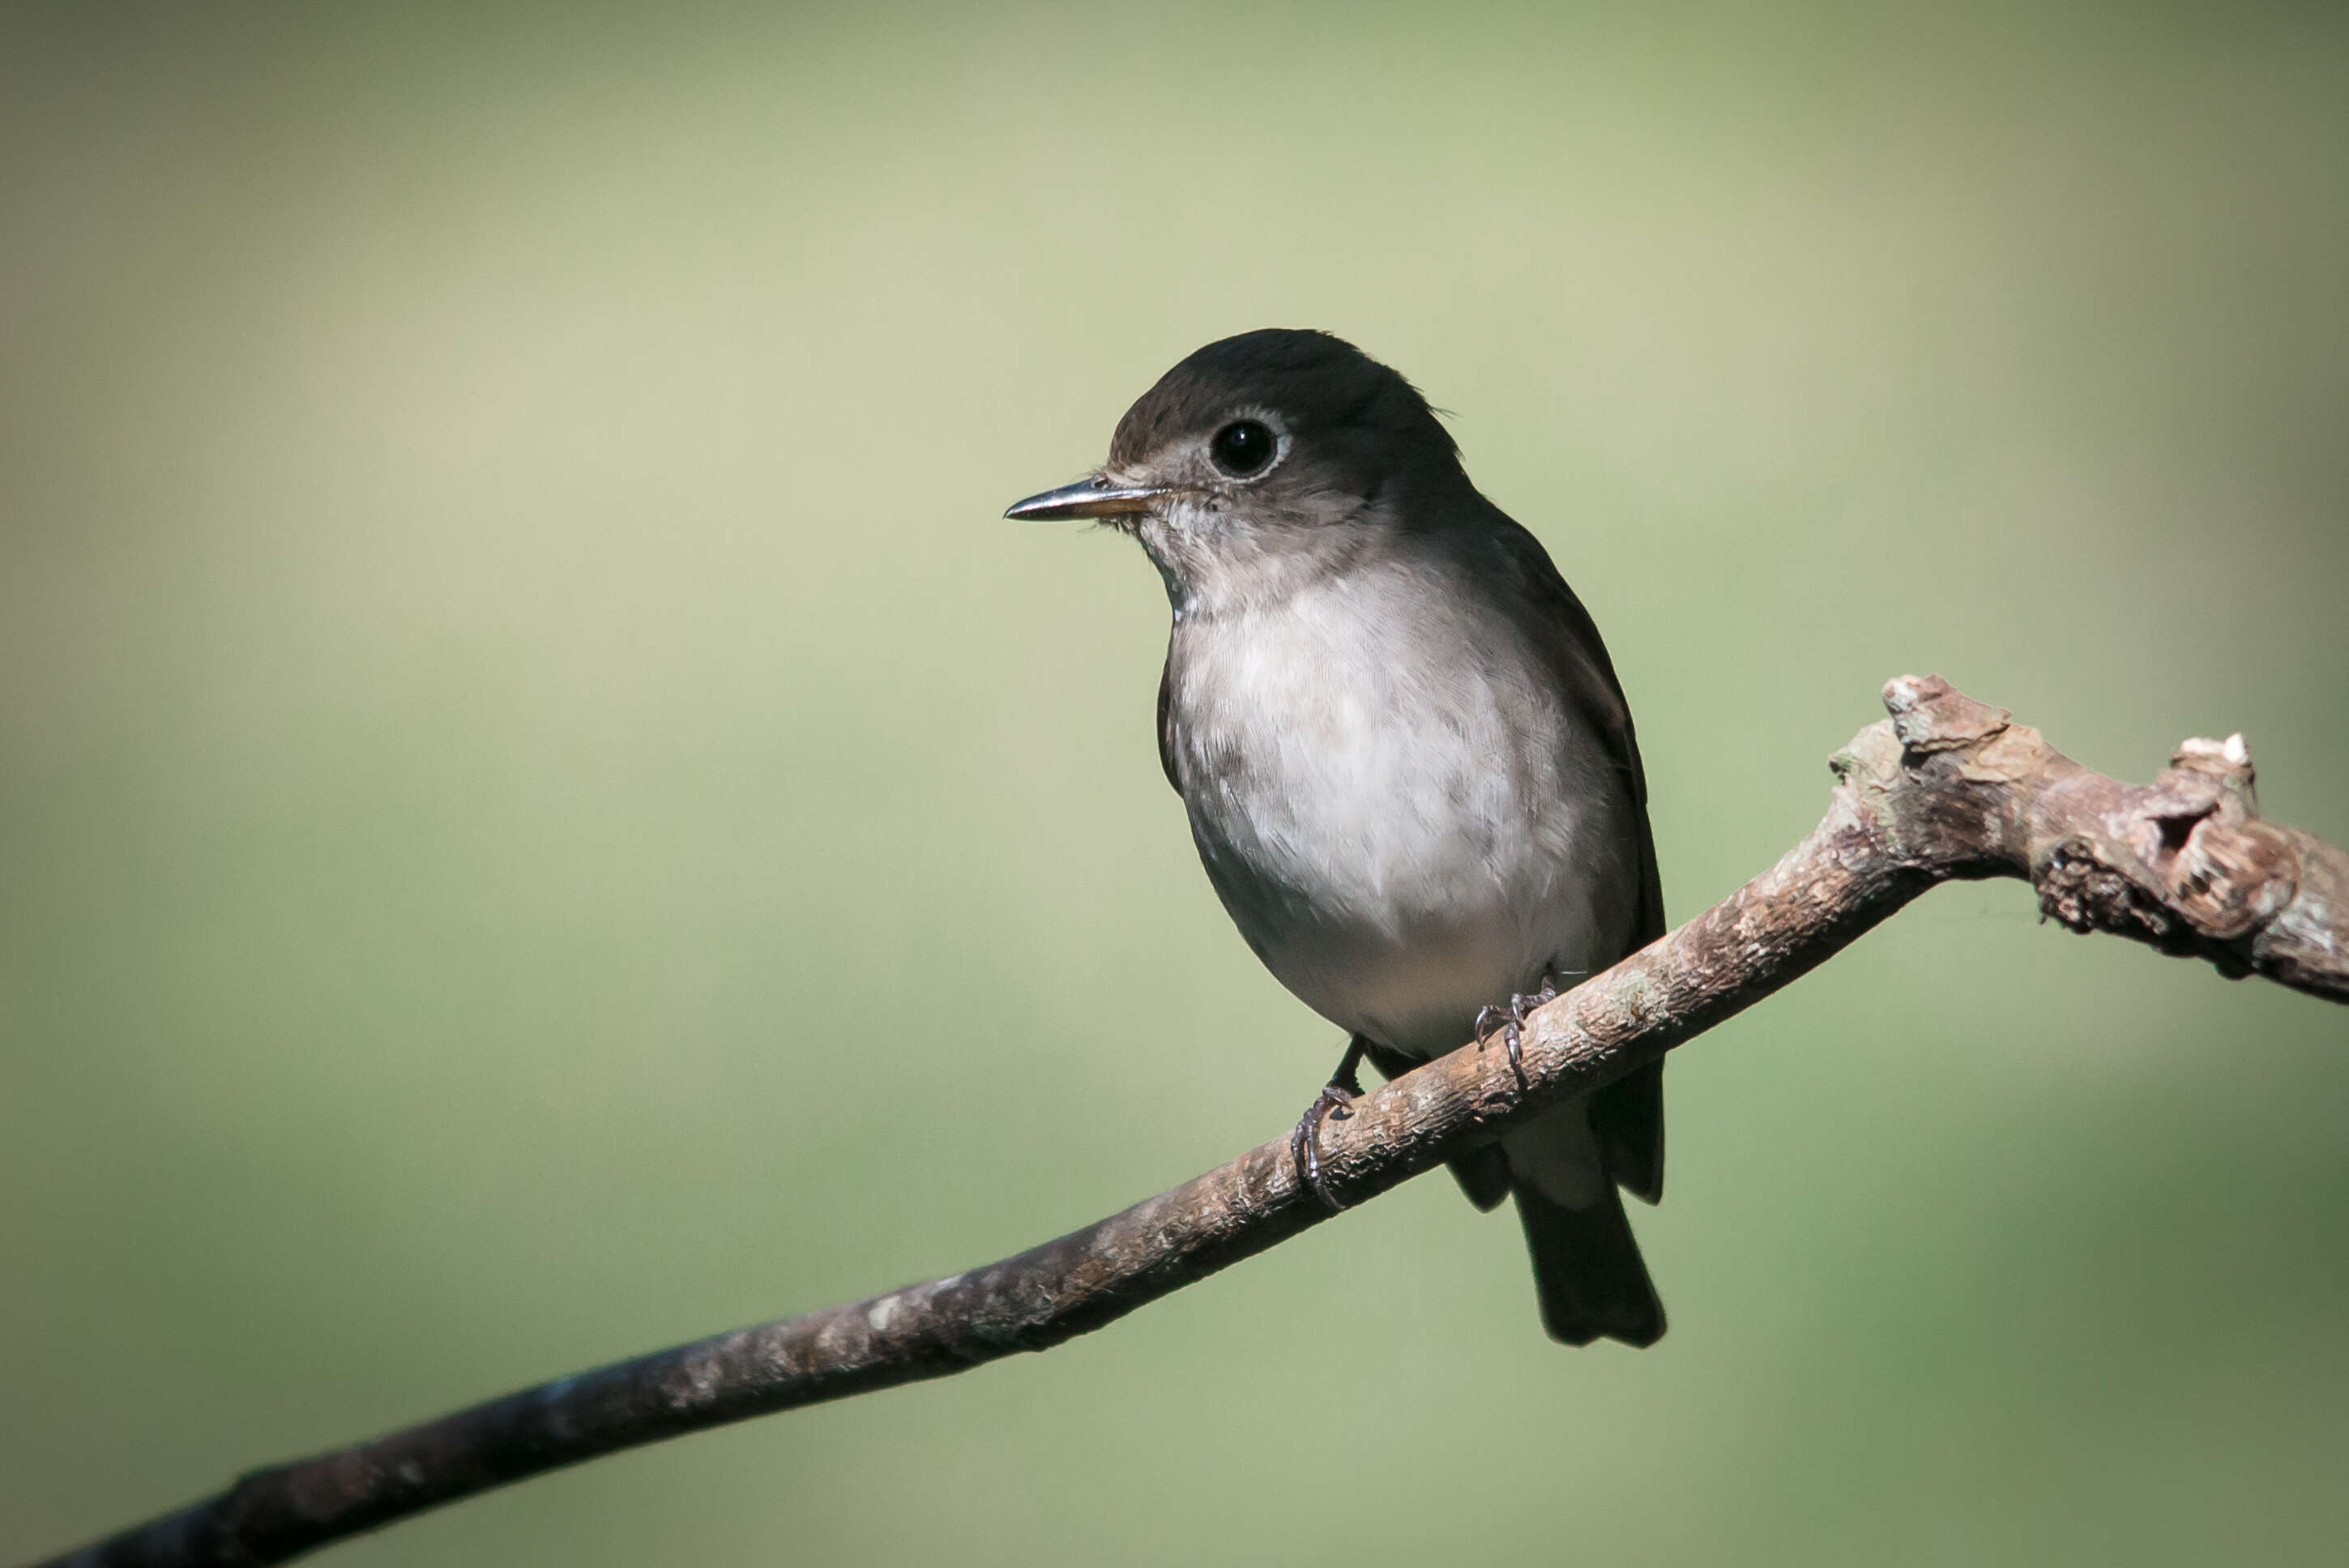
{"x":541,"y":813}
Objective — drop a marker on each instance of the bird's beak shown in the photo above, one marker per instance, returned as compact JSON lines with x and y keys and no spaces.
{"x":1095,"y":497}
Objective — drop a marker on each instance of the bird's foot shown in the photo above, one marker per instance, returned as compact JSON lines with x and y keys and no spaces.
{"x":1344,"y":1086}
{"x":1510,"y":1022}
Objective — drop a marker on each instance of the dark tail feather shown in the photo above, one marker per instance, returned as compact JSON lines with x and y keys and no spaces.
{"x":1483,"y":1174}
{"x":1588,"y":1271}
{"x":1628,"y":1114}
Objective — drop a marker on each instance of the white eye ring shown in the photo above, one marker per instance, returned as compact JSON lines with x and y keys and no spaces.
{"x":1248,"y":445}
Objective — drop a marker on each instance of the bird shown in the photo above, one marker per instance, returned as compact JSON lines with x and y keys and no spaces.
{"x":1407,"y":762}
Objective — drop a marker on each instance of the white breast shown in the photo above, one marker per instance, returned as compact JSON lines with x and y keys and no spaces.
{"x":1401,"y":817}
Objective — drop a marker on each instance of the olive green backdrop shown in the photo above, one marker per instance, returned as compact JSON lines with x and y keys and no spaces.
{"x":541,"y":813}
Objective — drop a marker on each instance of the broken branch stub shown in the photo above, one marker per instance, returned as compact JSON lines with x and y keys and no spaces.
{"x":2185,"y":863}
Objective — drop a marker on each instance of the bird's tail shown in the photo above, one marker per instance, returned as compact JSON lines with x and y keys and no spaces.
{"x":1587,"y":1270}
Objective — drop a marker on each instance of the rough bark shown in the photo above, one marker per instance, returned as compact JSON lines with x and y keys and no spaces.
{"x":1947,"y":788}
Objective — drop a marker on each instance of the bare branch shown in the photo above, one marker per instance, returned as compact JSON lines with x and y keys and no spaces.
{"x":1947,"y":789}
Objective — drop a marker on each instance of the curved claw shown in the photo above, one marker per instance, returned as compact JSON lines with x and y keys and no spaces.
{"x":1513,"y":1037}
{"x":1304,"y":1143}
{"x":1512,"y":1021}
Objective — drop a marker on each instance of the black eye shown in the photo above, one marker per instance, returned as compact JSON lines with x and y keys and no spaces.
{"x":1242,"y":447}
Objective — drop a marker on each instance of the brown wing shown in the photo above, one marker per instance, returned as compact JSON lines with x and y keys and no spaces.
{"x":1628,"y":1114}
{"x":1165,"y":724}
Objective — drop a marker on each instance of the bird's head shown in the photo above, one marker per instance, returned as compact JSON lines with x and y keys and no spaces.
{"x":1260,"y":455}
